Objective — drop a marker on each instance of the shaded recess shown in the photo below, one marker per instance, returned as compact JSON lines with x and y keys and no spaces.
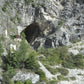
{"x":80,"y":1}
{"x":32,"y":31}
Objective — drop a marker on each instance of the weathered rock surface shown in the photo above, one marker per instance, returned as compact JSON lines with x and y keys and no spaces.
{"x":78,"y":74}
{"x":26,"y":76}
{"x":61,"y":21}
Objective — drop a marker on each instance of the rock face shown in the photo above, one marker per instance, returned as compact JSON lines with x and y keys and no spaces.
{"x":46,"y":23}
{"x":60,"y":21}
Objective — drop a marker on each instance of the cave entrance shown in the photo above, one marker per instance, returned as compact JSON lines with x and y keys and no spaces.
{"x":32,"y":31}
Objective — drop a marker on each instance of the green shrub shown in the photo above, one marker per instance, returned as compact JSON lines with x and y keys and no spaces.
{"x":61,"y":77}
{"x":22,"y":54}
{"x":10,"y":60}
{"x":54,"y":56}
{"x":12,"y":82}
{"x":19,"y":82}
{"x":42,"y":74}
{"x":4,"y":9}
{"x":53,"y":71}
{"x":10,"y":72}
{"x":28,"y":82}
{"x":60,"y":23}
{"x":73,"y":78}
{"x":23,"y":34}
{"x":61,"y":56}
{"x":79,"y":61}
{"x":5,"y":6}
{"x":63,"y":71}
{"x":12,"y":19}
{"x":77,"y":40}
{"x":72,"y":61}
{"x":12,"y":36}
{"x":19,"y":20}
{"x":31,"y":62}
{"x":6,"y":79}
{"x":24,"y":58}
{"x":80,"y":74}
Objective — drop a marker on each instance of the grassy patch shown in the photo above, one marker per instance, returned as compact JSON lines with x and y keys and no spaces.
{"x":12,"y":36}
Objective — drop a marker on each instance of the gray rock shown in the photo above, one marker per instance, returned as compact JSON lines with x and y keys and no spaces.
{"x":26,"y":76}
{"x":74,"y":38}
{"x":47,"y":14}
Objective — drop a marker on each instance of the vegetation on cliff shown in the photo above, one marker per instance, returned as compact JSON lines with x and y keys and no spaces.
{"x":61,"y":56}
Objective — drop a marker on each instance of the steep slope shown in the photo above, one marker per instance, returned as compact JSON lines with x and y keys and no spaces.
{"x":60,"y":22}
{"x":46,"y":24}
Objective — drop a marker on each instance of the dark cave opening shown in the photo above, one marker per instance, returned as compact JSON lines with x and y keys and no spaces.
{"x":32,"y":31}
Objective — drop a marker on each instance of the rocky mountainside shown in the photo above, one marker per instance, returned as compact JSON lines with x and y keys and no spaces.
{"x":45,"y":23}
{"x":57,"y":22}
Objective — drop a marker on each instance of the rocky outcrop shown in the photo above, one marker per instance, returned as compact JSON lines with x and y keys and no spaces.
{"x":78,"y":74}
{"x":26,"y":76}
{"x":60,"y":21}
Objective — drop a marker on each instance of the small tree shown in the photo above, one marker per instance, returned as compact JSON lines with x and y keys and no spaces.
{"x":10,"y":60}
{"x":31,"y":63}
{"x":22,"y":53}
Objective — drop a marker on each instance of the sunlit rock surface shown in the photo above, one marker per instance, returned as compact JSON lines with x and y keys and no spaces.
{"x":26,"y":76}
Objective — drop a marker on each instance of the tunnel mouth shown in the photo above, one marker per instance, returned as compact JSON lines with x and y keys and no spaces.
{"x":32,"y":32}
